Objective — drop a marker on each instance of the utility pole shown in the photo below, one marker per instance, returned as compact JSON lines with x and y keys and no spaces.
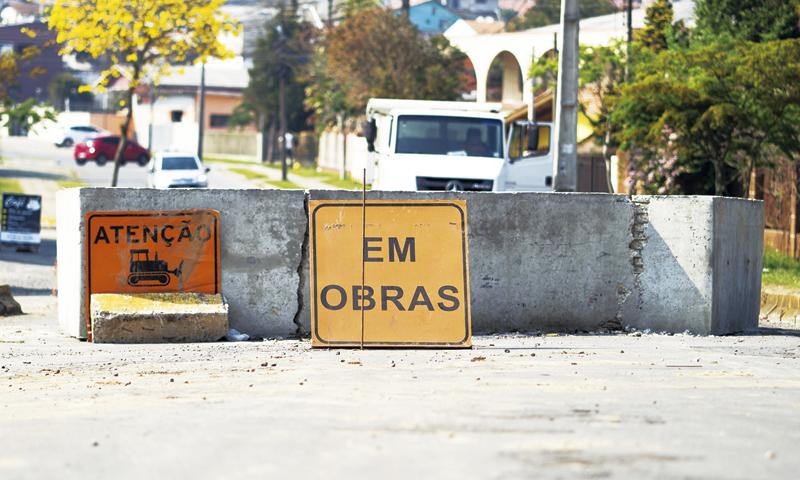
{"x":566,"y":156}
{"x":282,"y":91}
{"x":629,"y":40}
{"x":282,"y":113}
{"x":630,"y":22}
{"x":202,"y":118}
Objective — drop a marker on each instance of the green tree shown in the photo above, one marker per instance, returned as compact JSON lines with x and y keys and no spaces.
{"x":375,"y":53}
{"x":548,"y":12}
{"x":285,"y":50}
{"x":710,"y":112}
{"x":751,"y":20}
{"x":143,"y":39}
{"x":28,"y":112}
{"x":655,"y":34}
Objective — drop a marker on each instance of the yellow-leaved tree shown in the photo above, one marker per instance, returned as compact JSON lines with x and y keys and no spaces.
{"x":143,"y":39}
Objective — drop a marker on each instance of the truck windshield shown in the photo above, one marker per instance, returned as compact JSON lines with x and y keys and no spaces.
{"x":439,"y":135}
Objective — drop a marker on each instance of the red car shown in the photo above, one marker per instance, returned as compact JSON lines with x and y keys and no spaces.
{"x":102,"y":149}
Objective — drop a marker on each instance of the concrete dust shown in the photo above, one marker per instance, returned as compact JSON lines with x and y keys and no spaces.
{"x":564,"y":406}
{"x":622,"y":405}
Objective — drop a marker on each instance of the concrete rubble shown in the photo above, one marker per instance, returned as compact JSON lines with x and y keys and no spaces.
{"x":158,"y":318}
{"x":8,"y":306}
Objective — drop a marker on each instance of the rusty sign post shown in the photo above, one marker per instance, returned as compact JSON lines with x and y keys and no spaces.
{"x":403,"y":265}
{"x":152,"y":252}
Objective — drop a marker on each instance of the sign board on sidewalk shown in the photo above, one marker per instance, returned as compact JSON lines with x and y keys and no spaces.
{"x":21,"y":219}
{"x":156,"y":251}
{"x":414,"y":287}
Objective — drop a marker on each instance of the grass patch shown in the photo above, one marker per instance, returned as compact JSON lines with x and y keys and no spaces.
{"x":346,"y":184}
{"x":780,"y":269}
{"x":229,"y":161}
{"x":249,"y":174}
{"x":72,"y":183}
{"x":330,"y":178}
{"x":284,"y":184}
{"x":10,"y":185}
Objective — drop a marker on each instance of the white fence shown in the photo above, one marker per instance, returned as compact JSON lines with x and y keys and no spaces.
{"x":345,"y":155}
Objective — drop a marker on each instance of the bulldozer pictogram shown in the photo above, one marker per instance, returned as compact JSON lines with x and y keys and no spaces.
{"x":147,"y":273}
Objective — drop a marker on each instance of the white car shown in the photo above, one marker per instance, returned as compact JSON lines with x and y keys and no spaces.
{"x":76,"y":134}
{"x":177,"y":170}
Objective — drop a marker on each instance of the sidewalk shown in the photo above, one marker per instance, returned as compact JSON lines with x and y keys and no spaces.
{"x":273,"y":174}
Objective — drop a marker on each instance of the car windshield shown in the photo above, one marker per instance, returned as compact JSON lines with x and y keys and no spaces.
{"x":439,"y":135}
{"x":178,"y":163}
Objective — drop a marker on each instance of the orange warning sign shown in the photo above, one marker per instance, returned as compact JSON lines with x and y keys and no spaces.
{"x":146,"y":252}
{"x":393,"y":273}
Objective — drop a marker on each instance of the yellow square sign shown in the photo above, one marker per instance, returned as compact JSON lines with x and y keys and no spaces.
{"x":390,"y":274}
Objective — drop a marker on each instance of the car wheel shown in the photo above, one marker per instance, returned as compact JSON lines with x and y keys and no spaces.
{"x":68,"y":142}
{"x":81,"y":162}
{"x":101,"y":160}
{"x":143,"y":160}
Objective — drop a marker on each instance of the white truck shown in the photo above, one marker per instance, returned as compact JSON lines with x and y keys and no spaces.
{"x":457,"y":146}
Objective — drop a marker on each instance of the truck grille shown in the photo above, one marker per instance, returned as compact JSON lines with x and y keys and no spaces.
{"x":458,"y":184}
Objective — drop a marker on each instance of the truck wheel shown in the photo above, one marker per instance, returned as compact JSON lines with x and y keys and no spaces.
{"x":101,"y":160}
{"x":81,"y":162}
{"x":68,"y":142}
{"x":143,"y":160}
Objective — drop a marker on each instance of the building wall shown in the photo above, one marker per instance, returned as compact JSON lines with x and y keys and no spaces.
{"x":182,"y":135}
{"x":473,"y":5}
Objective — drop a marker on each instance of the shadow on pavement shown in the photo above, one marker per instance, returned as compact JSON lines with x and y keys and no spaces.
{"x":30,"y":292}
{"x":761,"y":331}
{"x":13,"y":173}
{"x":45,"y":256}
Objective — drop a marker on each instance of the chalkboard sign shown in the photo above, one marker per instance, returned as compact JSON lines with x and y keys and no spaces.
{"x":21,"y":219}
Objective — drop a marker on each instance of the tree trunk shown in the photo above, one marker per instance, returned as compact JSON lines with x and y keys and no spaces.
{"x":271,"y":144}
{"x":406,"y":7}
{"x":262,"y":127}
{"x":123,"y":140}
{"x":719,"y":183}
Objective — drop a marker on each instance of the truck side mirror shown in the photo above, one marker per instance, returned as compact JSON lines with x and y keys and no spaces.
{"x":533,"y":137}
{"x":370,"y":130}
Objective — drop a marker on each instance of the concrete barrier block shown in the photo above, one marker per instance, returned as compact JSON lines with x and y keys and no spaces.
{"x":158,"y":317}
{"x":577,"y":261}
{"x":538,"y":261}
{"x":261,"y":246}
{"x":738,"y":261}
{"x":69,"y":263}
{"x":672,"y":264}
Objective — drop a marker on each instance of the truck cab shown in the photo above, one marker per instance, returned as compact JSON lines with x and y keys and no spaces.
{"x":457,"y":146}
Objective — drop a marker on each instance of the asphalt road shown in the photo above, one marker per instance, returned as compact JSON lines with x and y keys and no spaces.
{"x":43,"y":155}
{"x":627,"y":406}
